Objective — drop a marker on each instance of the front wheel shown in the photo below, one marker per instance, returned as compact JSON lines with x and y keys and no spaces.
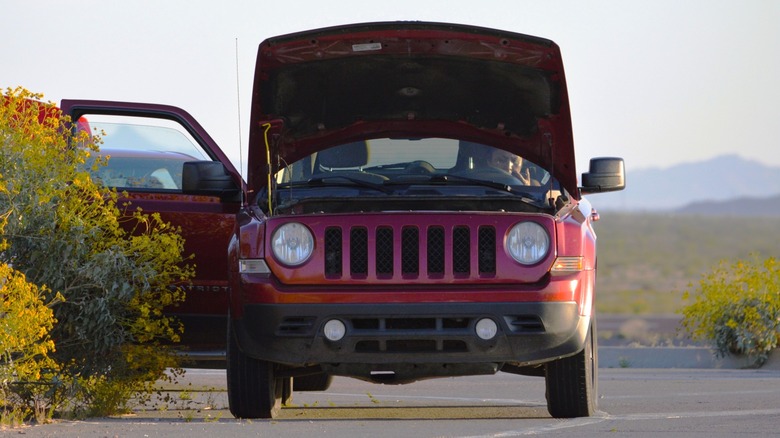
{"x":253,"y":389}
{"x":572,"y":382}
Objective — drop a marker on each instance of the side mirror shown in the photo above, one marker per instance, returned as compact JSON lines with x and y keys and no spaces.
{"x":208,"y":178}
{"x":606,"y":174}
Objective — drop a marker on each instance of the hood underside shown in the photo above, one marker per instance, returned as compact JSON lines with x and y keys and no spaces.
{"x":339,"y":84}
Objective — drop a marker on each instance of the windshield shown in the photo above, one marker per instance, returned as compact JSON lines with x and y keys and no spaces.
{"x":447,"y":171}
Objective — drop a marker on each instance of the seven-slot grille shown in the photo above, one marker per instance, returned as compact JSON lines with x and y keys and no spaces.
{"x":409,"y":250}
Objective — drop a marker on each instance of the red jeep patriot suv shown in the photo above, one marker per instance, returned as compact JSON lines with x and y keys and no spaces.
{"x":411,"y":211}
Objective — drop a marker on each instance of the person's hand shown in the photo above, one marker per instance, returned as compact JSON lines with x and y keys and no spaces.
{"x":524,"y":175}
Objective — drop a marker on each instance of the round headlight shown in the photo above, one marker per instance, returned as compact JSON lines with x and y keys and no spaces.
{"x":528,"y":243}
{"x":292,"y":244}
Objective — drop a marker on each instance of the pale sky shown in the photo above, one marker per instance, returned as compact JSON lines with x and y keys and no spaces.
{"x":656,"y":82}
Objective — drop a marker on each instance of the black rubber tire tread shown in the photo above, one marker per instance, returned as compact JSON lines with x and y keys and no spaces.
{"x":572,"y":382}
{"x":312,"y":382}
{"x":253,"y":392}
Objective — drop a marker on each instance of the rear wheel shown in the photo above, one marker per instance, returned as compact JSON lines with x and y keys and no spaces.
{"x":572,"y":382}
{"x":253,"y":389}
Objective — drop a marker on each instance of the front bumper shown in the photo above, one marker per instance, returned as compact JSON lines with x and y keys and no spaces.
{"x":423,"y":336}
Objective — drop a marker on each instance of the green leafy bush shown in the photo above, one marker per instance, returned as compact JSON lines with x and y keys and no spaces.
{"x":104,"y":269}
{"x":25,"y":344}
{"x":737,"y":307}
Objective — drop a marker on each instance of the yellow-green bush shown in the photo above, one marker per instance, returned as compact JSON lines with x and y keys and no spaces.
{"x":737,"y":307}
{"x":104,"y":269}
{"x":25,"y":345}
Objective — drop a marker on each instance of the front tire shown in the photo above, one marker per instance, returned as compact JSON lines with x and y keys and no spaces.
{"x":253,"y":389}
{"x":572,"y":382}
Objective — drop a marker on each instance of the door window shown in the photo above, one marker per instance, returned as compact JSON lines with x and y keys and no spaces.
{"x":142,"y":153}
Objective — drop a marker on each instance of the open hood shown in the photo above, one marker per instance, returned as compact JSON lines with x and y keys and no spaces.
{"x":323,"y":87}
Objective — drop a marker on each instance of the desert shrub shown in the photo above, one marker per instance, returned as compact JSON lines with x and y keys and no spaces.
{"x":25,"y":346}
{"x":112,"y":265}
{"x":737,"y":308}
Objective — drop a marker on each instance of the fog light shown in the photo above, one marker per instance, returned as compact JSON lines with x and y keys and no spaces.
{"x":486,"y":328}
{"x":334,"y":330}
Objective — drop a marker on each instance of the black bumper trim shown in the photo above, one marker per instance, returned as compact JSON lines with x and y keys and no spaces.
{"x":429,"y":333}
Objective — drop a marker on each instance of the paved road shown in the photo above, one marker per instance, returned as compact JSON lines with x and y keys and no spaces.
{"x":639,"y":402}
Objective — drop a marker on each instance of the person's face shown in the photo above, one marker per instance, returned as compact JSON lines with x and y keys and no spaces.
{"x":502,"y":160}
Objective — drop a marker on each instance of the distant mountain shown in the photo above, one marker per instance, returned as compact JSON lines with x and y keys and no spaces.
{"x":735,"y":207}
{"x":727,"y":185}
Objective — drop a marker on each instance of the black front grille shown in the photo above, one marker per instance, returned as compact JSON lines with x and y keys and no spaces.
{"x":358,"y":251}
{"x":524,"y":323}
{"x":410,"y":251}
{"x":333,"y":263}
{"x":487,"y":250}
{"x":296,"y":325}
{"x":411,"y":334}
{"x":461,"y":250}
{"x":435,"y":250}
{"x":399,"y":248}
{"x":384,"y":251}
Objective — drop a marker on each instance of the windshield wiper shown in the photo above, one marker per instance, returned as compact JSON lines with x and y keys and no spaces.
{"x":333,"y":181}
{"x":389,"y":166}
{"x":523,"y":195}
{"x":473,"y":181}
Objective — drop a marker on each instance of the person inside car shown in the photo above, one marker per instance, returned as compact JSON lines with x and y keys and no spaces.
{"x":511,"y":164}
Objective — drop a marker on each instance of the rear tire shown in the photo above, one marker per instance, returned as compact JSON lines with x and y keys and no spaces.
{"x":572,"y":382}
{"x":253,"y":389}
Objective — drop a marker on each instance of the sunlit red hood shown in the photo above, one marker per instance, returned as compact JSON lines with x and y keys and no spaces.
{"x":323,"y":87}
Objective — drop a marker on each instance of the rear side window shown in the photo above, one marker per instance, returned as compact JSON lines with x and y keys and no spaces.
{"x":142,"y":153}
